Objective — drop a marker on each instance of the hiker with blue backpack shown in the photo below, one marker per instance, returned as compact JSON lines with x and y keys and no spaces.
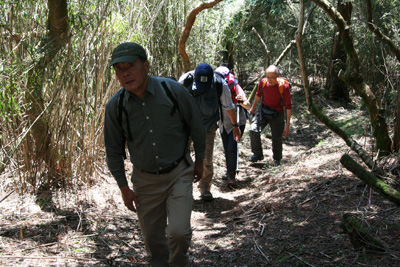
{"x":231,"y":147}
{"x":154,"y":117}
{"x":213,"y":98}
{"x":274,"y":93}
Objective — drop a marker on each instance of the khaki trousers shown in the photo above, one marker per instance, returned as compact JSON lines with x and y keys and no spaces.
{"x":208,"y":172}
{"x":165,"y":206}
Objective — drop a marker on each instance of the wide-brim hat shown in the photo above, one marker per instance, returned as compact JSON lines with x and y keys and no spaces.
{"x":127,"y":52}
{"x":204,"y":76}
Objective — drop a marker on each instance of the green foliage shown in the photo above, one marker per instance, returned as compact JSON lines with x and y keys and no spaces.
{"x":274,"y":21}
{"x":9,"y":101}
{"x":353,"y":125}
{"x":271,"y":7}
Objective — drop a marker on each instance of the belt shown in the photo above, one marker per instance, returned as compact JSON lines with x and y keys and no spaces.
{"x":166,"y":170}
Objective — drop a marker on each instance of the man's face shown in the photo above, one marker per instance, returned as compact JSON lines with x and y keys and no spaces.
{"x":133,"y":75}
{"x":272,"y":78}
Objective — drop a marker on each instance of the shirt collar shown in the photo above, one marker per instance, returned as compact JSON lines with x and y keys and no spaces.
{"x":150,"y":85}
{"x":149,"y":89}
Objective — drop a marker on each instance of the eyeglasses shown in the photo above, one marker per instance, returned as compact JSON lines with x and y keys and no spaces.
{"x":271,"y":77}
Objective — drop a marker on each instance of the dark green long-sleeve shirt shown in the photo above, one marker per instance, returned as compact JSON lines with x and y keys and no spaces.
{"x":159,"y":138}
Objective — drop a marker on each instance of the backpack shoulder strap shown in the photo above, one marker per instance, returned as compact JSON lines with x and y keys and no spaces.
{"x":281,"y":85}
{"x":174,"y":108}
{"x":120,"y":105}
{"x":232,"y":84}
{"x":122,"y":109}
{"x":219,"y":88}
{"x":281,"y":82}
{"x":188,"y":81}
{"x":175,"y":103}
{"x":173,"y":99}
{"x":219,"y":74}
{"x":219,"y":92}
{"x":264,"y":82}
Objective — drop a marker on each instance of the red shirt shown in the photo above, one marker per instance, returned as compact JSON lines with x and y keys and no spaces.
{"x":271,"y":96}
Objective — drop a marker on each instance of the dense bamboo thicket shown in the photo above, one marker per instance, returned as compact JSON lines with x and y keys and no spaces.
{"x":78,"y":80}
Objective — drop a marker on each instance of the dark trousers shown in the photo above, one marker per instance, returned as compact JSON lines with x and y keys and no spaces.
{"x":231,"y":149}
{"x":277,"y":124}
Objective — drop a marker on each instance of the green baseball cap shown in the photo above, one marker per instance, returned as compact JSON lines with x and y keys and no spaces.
{"x":127,"y":52}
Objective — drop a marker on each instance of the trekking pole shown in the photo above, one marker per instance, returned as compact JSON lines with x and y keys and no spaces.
{"x":237,"y":143}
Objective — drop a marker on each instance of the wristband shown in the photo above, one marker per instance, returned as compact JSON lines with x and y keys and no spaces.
{"x":235,"y":125}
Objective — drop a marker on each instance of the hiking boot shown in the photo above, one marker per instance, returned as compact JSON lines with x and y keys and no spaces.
{"x":256,"y":158}
{"x":232,"y":179}
{"x":206,"y":196}
{"x":277,"y":162}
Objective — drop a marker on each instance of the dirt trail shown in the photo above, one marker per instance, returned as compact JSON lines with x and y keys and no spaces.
{"x":278,"y":216}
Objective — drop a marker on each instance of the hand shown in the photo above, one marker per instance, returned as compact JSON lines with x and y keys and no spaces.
{"x":252,"y":110}
{"x":129,"y":198}
{"x":236,"y":134}
{"x":239,"y":99}
{"x":198,"y":170}
{"x":286,"y":131}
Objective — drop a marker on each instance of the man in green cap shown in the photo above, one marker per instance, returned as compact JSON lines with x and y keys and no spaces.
{"x":154,"y":116}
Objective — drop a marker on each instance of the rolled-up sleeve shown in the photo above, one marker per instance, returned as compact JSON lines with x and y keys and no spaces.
{"x":226,"y":96}
{"x":287,"y":97}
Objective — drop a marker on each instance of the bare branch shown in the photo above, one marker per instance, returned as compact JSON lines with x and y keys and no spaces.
{"x":378,"y":34}
{"x":186,"y":31}
{"x":264,"y":44}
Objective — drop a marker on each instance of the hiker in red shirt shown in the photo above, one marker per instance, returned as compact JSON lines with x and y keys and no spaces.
{"x":275,"y":94}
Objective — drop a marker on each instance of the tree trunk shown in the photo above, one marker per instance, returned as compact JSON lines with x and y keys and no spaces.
{"x":324,"y":119}
{"x":359,"y":236}
{"x":396,"y":135}
{"x":396,"y":51}
{"x":353,"y":78}
{"x":376,"y":115}
{"x":384,"y":189}
{"x":338,"y":90}
{"x":58,"y":30}
{"x":229,"y":55}
{"x":186,"y":32}
{"x":378,"y":34}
